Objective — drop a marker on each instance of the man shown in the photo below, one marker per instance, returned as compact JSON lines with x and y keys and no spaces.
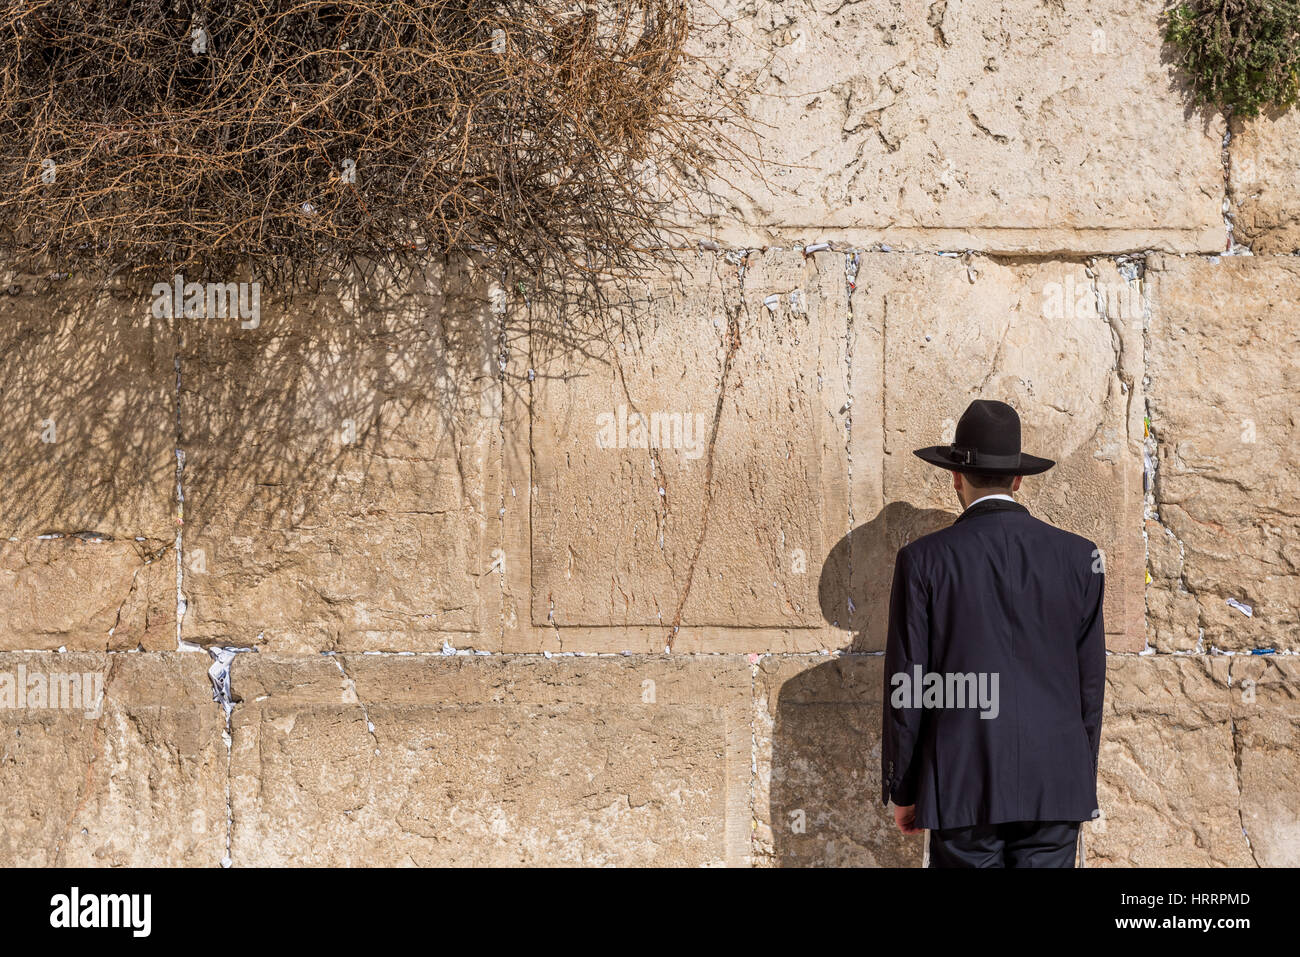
{"x":994,"y":667}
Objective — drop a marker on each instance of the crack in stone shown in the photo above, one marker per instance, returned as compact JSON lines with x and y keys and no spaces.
{"x":1150,"y":478}
{"x":181,"y":644}
{"x":1152,"y":512}
{"x":754,"y":663}
{"x":732,"y":346}
{"x":223,"y":694}
{"x":657,"y":470}
{"x":532,"y":466}
{"x":351,"y":686}
{"x":146,"y":559}
{"x":499,"y":558}
{"x":1232,"y":247}
{"x":852,"y":263}
{"x":1236,"y":758}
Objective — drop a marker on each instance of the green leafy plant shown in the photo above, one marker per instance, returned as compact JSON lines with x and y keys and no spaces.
{"x":1241,"y":55}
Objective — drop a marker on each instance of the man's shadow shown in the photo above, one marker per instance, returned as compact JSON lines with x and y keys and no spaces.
{"x":825,"y":777}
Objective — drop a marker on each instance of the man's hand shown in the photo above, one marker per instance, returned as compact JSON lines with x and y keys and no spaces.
{"x":905,"y":818}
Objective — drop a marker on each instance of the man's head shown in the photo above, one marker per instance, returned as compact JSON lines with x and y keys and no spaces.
{"x":985,"y":455}
{"x":974,"y":485}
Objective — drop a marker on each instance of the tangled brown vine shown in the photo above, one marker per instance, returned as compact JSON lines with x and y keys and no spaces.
{"x":297,"y":139}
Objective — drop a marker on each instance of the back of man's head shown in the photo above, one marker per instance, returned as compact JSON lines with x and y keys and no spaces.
{"x":988,"y":482}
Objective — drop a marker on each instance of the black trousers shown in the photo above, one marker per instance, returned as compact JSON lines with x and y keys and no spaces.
{"x":1018,"y":844}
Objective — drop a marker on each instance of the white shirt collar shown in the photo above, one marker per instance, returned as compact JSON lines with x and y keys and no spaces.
{"x":985,"y":498}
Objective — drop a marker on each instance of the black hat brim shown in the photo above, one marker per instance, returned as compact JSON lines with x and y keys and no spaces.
{"x":939,"y":455}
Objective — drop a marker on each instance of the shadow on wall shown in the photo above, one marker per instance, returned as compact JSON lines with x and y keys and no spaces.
{"x":273,"y":410}
{"x":361,"y":401}
{"x":320,"y":437}
{"x":275,"y":401}
{"x":825,"y":784}
{"x":85,"y":412}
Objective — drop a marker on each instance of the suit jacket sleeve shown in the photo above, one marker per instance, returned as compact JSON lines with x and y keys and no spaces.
{"x":1091,"y":649}
{"x":907,"y":645}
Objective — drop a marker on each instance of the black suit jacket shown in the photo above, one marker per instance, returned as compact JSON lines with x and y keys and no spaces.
{"x":999,"y":593}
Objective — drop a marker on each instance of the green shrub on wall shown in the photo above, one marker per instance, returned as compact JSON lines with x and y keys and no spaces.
{"x":1240,"y":55}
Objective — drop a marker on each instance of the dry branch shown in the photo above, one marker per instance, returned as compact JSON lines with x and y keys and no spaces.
{"x":300,"y":139}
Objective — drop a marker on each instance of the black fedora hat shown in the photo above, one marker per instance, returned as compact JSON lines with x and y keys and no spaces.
{"x":987,"y":440}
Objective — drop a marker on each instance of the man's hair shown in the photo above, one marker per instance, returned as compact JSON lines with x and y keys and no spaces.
{"x":988,"y":480}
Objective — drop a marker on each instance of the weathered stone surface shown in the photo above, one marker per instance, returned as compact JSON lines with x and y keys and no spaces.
{"x":491,"y":761}
{"x":1167,"y":783}
{"x":633,"y":528}
{"x":141,"y":782}
{"x":1017,"y":126}
{"x":1225,"y":372}
{"x":1264,"y":182}
{"x":334,"y":473}
{"x":1062,"y":342}
{"x":817,"y":790}
{"x":87,"y":412}
{"x":88,"y":426}
{"x":86,"y":596}
{"x":1173,"y":614}
{"x":361,"y":475}
{"x":1266,"y":729}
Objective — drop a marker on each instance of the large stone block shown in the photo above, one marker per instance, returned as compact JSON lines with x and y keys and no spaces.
{"x":1167,"y":785}
{"x":87,"y":596}
{"x":684,"y":474}
{"x":469,"y":760}
{"x":1225,"y":373}
{"x":335,"y":469}
{"x":1266,"y":731}
{"x":1062,"y":342}
{"x":128,"y":770}
{"x":817,"y":790}
{"x":1264,"y":182}
{"x":88,"y":427}
{"x":1017,"y":126}
{"x":87,"y":412}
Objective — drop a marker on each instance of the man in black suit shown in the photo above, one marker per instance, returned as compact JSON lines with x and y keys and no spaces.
{"x":995,"y":666}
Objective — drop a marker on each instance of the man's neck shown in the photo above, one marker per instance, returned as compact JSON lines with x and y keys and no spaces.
{"x":990,"y":496}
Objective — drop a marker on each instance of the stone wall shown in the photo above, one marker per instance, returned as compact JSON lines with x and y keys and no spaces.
{"x":492,"y":622}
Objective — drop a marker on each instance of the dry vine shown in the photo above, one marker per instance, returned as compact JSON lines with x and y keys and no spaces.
{"x":300,"y":139}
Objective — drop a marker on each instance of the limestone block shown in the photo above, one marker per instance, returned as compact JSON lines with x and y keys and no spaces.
{"x":1017,"y":126}
{"x":334,"y":469}
{"x":1266,"y":727}
{"x":1225,"y":370}
{"x":138,"y":781}
{"x":87,"y":596}
{"x":1060,"y":341}
{"x":491,"y":761}
{"x":817,"y":791}
{"x":87,"y":412}
{"x":1264,"y":182}
{"x":625,"y":527}
{"x":1167,"y":786}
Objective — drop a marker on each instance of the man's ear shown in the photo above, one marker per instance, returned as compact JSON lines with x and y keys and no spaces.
{"x":956,"y":480}
{"x":1015,"y":486}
